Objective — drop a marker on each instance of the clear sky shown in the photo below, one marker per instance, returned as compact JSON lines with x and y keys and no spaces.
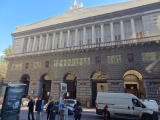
{"x":15,"y":13}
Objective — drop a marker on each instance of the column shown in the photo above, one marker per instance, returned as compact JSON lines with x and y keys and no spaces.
{"x":68,"y":38}
{"x":34,"y":42}
{"x":40,"y":43}
{"x":47,"y":39}
{"x":102,"y":33}
{"x":122,"y":30}
{"x":76,"y":37}
{"x":40,"y":86}
{"x":60,"y":42}
{"x":93,"y":35}
{"x":29,"y":40}
{"x":53,"y":40}
{"x":84,"y":36}
{"x":112,"y":31}
{"x":133,"y":28}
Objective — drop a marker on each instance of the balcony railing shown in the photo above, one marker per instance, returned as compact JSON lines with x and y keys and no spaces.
{"x":91,"y":46}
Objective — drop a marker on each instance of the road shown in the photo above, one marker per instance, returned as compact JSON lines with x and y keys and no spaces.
{"x":88,"y":114}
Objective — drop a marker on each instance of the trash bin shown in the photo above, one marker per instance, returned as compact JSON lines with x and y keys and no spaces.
{"x":64,"y":114}
{"x":88,"y":104}
{"x":52,"y":115}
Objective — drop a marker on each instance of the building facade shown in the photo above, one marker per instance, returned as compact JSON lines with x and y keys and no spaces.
{"x":110,"y":48}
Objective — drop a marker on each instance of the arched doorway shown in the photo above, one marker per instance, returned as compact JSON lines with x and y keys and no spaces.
{"x":133,"y":83}
{"x":25,"y":79}
{"x":99,"y":84}
{"x":71,"y":81}
{"x":44,"y":87}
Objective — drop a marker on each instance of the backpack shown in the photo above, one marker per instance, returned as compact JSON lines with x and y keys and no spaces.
{"x":78,"y":110}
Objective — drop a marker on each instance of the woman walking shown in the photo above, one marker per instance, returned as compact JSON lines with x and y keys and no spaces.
{"x":77,"y":110}
{"x":51,"y":107}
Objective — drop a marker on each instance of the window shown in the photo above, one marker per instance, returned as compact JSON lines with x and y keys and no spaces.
{"x":107,"y":34}
{"x":80,"y":38}
{"x":89,"y":37}
{"x":138,"y":34}
{"x":72,"y":40}
{"x":117,"y":37}
{"x":98,"y":36}
{"x":65,"y":41}
{"x":137,"y":103}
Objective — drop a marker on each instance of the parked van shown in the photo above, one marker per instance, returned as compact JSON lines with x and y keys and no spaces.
{"x":151,"y":104}
{"x":124,"y":105}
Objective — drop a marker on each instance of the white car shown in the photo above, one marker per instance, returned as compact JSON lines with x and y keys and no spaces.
{"x":152,"y":104}
{"x":70,"y":102}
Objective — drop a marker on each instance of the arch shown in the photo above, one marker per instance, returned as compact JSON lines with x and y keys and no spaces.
{"x":25,"y":79}
{"x":71,"y":80}
{"x":44,"y":87}
{"x":98,"y":78}
{"x":48,"y":71}
{"x":95,"y":68}
{"x":133,"y":83}
{"x":67,"y":70}
{"x":134,"y":66}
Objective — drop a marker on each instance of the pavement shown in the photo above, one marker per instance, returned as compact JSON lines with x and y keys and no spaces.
{"x":88,"y":114}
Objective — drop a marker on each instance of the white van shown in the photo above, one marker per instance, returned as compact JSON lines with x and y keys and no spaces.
{"x":151,"y":104}
{"x":124,"y":105}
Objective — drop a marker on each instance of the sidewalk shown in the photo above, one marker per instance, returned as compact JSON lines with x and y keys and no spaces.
{"x":24,"y":113}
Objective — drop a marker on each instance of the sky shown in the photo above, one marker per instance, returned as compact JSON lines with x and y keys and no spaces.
{"x":15,"y":13}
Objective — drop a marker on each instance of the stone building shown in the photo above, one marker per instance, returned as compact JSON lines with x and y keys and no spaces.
{"x":110,"y":48}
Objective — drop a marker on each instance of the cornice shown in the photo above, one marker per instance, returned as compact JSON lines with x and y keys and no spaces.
{"x":102,"y":17}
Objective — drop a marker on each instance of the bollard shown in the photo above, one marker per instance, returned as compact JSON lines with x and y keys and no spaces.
{"x":52,"y":115}
{"x":38,"y":117}
{"x":64,"y":114}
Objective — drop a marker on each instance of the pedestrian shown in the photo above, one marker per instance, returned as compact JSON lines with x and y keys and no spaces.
{"x":77,"y":110}
{"x":105,"y":112}
{"x":31,"y":108}
{"x":51,"y":107}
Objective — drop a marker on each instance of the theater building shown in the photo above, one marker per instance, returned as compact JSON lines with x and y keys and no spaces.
{"x":109,"y":48}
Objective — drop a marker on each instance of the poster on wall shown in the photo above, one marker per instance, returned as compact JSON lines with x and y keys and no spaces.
{"x":12,"y":101}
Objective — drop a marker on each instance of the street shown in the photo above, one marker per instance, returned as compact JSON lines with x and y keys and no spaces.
{"x":88,"y":114}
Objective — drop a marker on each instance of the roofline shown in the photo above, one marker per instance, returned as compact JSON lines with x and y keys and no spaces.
{"x":130,"y":11}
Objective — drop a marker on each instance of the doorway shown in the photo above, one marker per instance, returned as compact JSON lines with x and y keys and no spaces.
{"x":45,"y":87}
{"x":134,"y":84}
{"x":71,"y":81}
{"x":99,"y":84}
{"x":25,"y":79}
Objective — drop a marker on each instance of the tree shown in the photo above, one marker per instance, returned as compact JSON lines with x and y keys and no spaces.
{"x":8,"y":50}
{"x":4,"y":63}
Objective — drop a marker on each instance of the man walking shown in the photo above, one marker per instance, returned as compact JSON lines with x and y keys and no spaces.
{"x":31,"y":109}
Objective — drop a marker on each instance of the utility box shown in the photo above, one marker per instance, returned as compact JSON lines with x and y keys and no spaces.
{"x":64,"y":114}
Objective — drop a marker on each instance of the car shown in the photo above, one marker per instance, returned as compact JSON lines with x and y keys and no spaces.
{"x":124,"y":105}
{"x":70,"y":102}
{"x":25,"y":101}
{"x":65,"y":105}
{"x":152,"y":104}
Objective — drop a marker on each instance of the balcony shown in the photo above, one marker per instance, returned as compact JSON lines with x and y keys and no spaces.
{"x":82,"y":48}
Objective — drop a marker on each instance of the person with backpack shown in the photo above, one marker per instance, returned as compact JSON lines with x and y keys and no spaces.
{"x":51,"y":107}
{"x":77,"y":110}
{"x":105,"y":112}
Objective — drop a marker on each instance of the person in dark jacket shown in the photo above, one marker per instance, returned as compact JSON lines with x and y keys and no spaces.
{"x":77,"y":110}
{"x":51,"y":106}
{"x":105,"y":112}
{"x":31,"y":108}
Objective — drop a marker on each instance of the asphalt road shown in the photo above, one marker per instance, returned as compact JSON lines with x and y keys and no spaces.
{"x":88,"y":114}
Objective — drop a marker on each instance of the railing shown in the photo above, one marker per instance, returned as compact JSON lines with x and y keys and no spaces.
{"x":90,"y":46}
